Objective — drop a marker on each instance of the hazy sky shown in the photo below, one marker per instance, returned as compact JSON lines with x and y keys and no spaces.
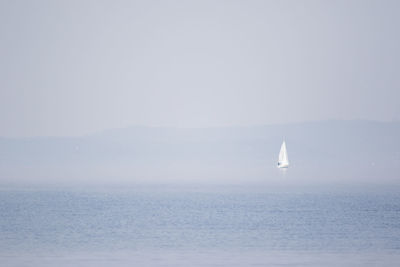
{"x":75,"y":67}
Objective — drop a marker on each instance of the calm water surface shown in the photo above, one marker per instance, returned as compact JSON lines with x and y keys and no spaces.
{"x":198,"y":227}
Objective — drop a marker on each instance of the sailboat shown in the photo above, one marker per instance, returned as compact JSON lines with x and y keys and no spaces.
{"x":283,"y":161}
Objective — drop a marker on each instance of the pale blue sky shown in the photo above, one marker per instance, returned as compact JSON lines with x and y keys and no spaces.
{"x":75,"y":67}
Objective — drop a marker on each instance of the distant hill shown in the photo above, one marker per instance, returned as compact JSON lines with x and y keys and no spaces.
{"x":331,"y":150}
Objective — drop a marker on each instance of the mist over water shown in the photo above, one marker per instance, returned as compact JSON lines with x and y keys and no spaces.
{"x":327,"y":153}
{"x":148,"y":196}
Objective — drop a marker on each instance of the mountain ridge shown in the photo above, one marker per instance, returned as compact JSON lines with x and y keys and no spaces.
{"x":345,"y":148}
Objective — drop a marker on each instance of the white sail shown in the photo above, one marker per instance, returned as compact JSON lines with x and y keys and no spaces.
{"x":283,"y":161}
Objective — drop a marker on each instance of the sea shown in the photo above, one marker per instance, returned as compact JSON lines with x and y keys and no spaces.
{"x":167,"y":225}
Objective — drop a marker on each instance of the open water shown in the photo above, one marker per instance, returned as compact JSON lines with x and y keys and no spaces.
{"x":156,"y":226}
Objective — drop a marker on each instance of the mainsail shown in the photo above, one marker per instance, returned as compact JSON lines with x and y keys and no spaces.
{"x":283,"y":161}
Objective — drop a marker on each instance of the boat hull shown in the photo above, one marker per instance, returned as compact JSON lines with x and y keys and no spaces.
{"x":283,"y":166}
